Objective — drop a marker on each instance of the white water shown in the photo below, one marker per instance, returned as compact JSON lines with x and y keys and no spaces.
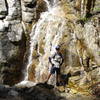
{"x":34,"y":36}
{"x":50,"y":29}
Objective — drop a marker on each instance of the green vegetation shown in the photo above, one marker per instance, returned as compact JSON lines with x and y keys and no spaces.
{"x":85,"y":19}
{"x":97,"y":9}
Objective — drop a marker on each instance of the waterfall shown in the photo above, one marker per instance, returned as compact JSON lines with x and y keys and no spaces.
{"x":57,"y":26}
{"x":33,"y":42}
{"x":51,"y":3}
{"x":48,"y":32}
{"x":36,"y":30}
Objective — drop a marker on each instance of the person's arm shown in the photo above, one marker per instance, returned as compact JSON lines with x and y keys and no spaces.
{"x":62,"y":60}
{"x":50,"y":60}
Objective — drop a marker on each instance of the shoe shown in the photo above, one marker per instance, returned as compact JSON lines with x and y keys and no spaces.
{"x":57,"y":84}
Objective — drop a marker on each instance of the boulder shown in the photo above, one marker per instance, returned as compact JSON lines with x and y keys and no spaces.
{"x":39,"y":92}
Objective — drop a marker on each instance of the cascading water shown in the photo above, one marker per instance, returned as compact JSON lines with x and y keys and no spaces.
{"x":35,"y":35}
{"x":48,"y":32}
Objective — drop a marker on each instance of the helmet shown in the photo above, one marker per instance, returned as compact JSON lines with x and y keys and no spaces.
{"x":57,"y":47}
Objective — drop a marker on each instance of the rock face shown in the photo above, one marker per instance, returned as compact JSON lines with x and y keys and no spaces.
{"x":12,"y":49}
{"x":16,"y":19}
{"x":29,"y":36}
{"x":12,"y":43}
{"x":79,"y":42}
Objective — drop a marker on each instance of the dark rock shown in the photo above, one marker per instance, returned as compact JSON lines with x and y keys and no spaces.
{"x":38,"y":92}
{"x":13,"y":93}
{"x":11,"y":55}
{"x":44,"y":85}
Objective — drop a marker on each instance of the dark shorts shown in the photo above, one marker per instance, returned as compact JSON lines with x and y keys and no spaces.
{"x":54,"y":69}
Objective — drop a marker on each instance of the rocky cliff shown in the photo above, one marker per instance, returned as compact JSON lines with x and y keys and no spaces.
{"x":29,"y":31}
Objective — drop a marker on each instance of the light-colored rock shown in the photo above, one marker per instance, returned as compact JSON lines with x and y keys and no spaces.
{"x":3,"y":25}
{"x":14,"y":11}
{"x":15,"y":32}
{"x":93,"y":34}
{"x":28,"y":10}
{"x":25,"y":84}
{"x":3,"y":9}
{"x":28,"y":17}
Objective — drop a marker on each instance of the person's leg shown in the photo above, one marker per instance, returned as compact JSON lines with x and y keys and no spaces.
{"x":52,"y":71}
{"x":57,"y":79}
{"x":57,"y":76}
{"x":48,"y":77}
